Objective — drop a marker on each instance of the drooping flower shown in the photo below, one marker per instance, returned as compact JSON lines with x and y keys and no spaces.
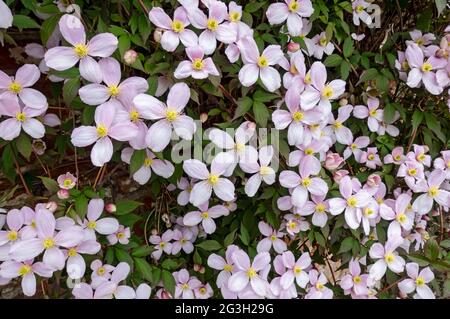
{"x":169,"y":117}
{"x":101,"y":134}
{"x":62,"y":58}
{"x":174,"y":29}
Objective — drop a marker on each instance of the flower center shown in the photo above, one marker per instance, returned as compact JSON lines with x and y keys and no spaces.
{"x":306,"y":181}
{"x":420,"y":281}
{"x":397,"y":157}
{"x":298,"y":116}
{"x":293,"y":6}
{"x":359,"y":9}
{"x":319,"y":286}
{"x":292,"y":225}
{"x":81,"y":50}
{"x":433,"y":191}
{"x":427,"y":67}
{"x":120,"y":235}
{"x":148,"y":162}
{"x":368,"y":211}
{"x":263,"y":62}
{"x":171,"y":115}
{"x":48,"y":243}
{"x":357,"y":279}
{"x":448,"y":164}
{"x":337,"y":124}
{"x":308,"y":79}
{"x":202,"y":290}
{"x":320,"y":208}
{"x":183,"y":241}
{"x":67,"y":182}
{"x":21,"y":117}
{"x":102,"y":131}
{"x":114,"y":90}
{"x":101,"y":271}
{"x":389,"y":258}
{"x":265,"y":170}
{"x":251,"y":273}
{"x":401,"y":218}
{"x":212,"y":24}
{"x":185,"y":286}
{"x":273,"y":238}
{"x":228,"y":267}
{"x":92,"y":224}
{"x":72,"y":252}
{"x":352,"y":202}
{"x":353,"y":146}
{"x":327,"y":92}
{"x":420,"y":41}
{"x":25,"y":269}
{"x":405,"y":65}
{"x":309,"y":151}
{"x":297,"y":270}
{"x":205,"y":215}
{"x":421,"y":157}
{"x":235,"y":16}
{"x":177,"y":26}
{"x":162,"y":244}
{"x":239,"y":146}
{"x":134,"y":115}
{"x":371,"y":157}
{"x":197,"y":64}
{"x":373,"y":112}
{"x":412,"y":171}
{"x":293,"y":69}
{"x":12,"y":235}
{"x":323,"y":41}
{"x":213,"y":179}
{"x":15,"y":87}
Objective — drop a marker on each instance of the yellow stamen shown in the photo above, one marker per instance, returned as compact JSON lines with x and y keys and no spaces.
{"x":421,"y":157}
{"x":433,"y":191}
{"x":101,"y":271}
{"x":92,"y":224}
{"x":337,"y":124}
{"x":263,"y":62}
{"x":67,"y":182}
{"x":102,"y":131}
{"x":298,"y":116}
{"x":114,"y":90}
{"x":148,"y":162}
{"x":205,"y":215}
{"x":12,"y":235}
{"x":352,"y":202}
{"x":368,"y":211}
{"x":197,"y":64}
{"x":359,"y":9}
{"x":320,"y":208}
{"x":306,"y":181}
{"x":412,"y":171}
{"x":171,"y":115}
{"x":293,"y":6}
{"x":48,"y":243}
{"x":81,"y":50}
{"x":427,"y":67}
{"x":177,"y":26}
{"x":309,"y":151}
{"x":420,"y":281}
{"x":235,"y":16}
{"x":308,"y":79}
{"x":327,"y":92}
{"x":373,"y":112}
{"x":120,"y":235}
{"x":371,"y":157}
{"x":15,"y":87}
{"x":265,"y":170}
{"x":357,"y":279}
{"x":323,"y":42}
{"x":389,"y":258}
{"x":251,"y":273}
{"x":134,"y":115}
{"x":212,"y":24}
{"x":354,"y":146}
{"x":213,"y":179}
{"x":239,"y":146}
{"x":297,"y":270}
{"x":21,"y":117}
{"x":228,"y":267}
{"x":202,"y":290}
{"x":401,"y":218}
{"x":72,"y":252}
{"x":25,"y":269}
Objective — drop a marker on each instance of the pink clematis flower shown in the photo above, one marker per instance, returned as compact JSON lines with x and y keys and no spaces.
{"x":226,"y":267}
{"x":273,"y":238}
{"x":169,"y":116}
{"x":342,"y":134}
{"x":319,"y":208}
{"x":354,"y":281}
{"x":205,"y":216}
{"x":259,"y":66}
{"x":182,"y":241}
{"x":161,"y":168}
{"x":424,"y":203}
{"x":318,"y":289}
{"x":292,"y":11}
{"x":15,"y":221}
{"x":20,"y":117}
{"x":400,"y":213}
{"x":297,"y":78}
{"x":443,"y":163}
{"x":373,"y":114}
{"x":420,"y":39}
{"x":422,"y":71}
{"x":93,"y":222}
{"x":162,"y":244}
{"x":296,"y":270}
{"x":249,"y":273}
{"x":63,"y":58}
{"x":185,"y":284}
{"x":319,"y":45}
{"x":296,"y":118}
{"x":261,"y":172}
{"x":174,"y":29}
{"x":19,"y":86}
{"x":186,"y":187}
{"x":27,"y":270}
{"x":351,"y":203}
{"x":85,"y":291}
{"x":303,"y":184}
{"x":197,"y":67}
{"x":417,"y":282}
{"x":47,"y":240}
{"x":397,"y":156}
{"x":102,"y":133}
{"x":371,"y":158}
{"x":387,"y":258}
{"x":67,"y":181}
{"x":321,"y":93}
{"x":213,"y":26}
{"x":76,"y":266}
{"x":209,"y":181}
{"x":419,"y":155}
{"x":95,"y":94}
{"x":355,"y":148}
{"x":101,"y":273}
{"x":359,"y":12}
{"x":122,"y":235}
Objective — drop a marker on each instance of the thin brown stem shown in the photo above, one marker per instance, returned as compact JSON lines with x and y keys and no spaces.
{"x":21,"y":176}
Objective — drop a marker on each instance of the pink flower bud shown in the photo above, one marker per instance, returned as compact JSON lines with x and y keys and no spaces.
{"x":199,"y":268}
{"x":157,"y":35}
{"x":333,"y":161}
{"x":337,"y":176}
{"x":111,"y":208}
{"x":293,"y":47}
{"x":63,"y":193}
{"x":374,"y":180}
{"x":251,"y":126}
{"x":130,"y":56}
{"x":343,"y":102}
{"x":51,"y":206}
{"x":203,"y":117}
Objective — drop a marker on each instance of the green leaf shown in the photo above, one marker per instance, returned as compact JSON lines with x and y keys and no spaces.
{"x":245,"y":236}
{"x":142,"y":251}
{"x":264,"y":97}
{"x":333,"y":60}
{"x":440,"y":5}
{"x":24,"y":22}
{"x":368,"y":75}
{"x":209,"y":245}
{"x":348,"y":47}
{"x":435,"y":126}
{"x":49,"y":184}
{"x":124,"y":207}
{"x":229,"y":239}
{"x":431,"y":249}
{"x":137,"y":160}
{"x":445,"y":243}
{"x":124,"y":256}
{"x":253,"y":6}
{"x":81,"y":204}
{"x":346,"y":245}
{"x":261,"y":113}
{"x":417,"y":119}
{"x":70,"y":90}
{"x":345,"y":70}
{"x":389,"y":113}
{"x":244,"y":105}
{"x":124,"y":44}
{"x":320,"y":239}
{"x":168,"y":281}
{"x":144,"y":268}
{"x":47,"y":28}
{"x":23,"y":144}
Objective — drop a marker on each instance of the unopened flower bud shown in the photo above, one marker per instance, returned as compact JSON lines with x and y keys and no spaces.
{"x":203,"y":117}
{"x":51,"y":206}
{"x":337,"y":176}
{"x":154,"y":232}
{"x":39,"y":146}
{"x":293,"y":47}
{"x":199,"y":268}
{"x":343,"y":102}
{"x":111,"y":208}
{"x":63,"y":193}
{"x":251,"y":126}
{"x":374,"y":180}
{"x":130,"y":56}
{"x":333,"y":161}
{"x":157,"y":35}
